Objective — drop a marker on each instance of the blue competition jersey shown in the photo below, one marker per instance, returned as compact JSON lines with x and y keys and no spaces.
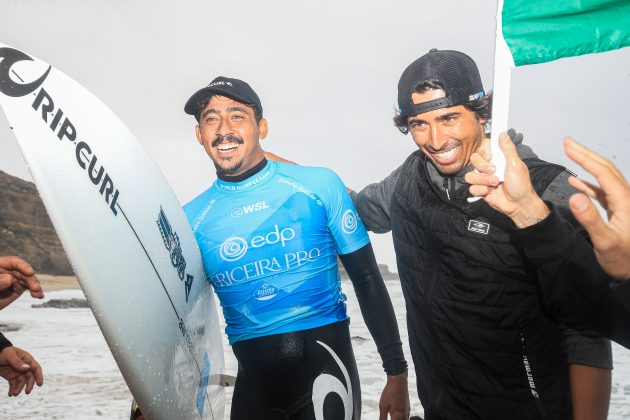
{"x":269,"y":246}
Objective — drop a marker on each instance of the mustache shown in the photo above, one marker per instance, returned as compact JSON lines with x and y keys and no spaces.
{"x":230,"y":138}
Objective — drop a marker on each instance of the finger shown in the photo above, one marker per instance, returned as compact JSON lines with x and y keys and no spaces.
{"x":33,"y":284}
{"x":485,"y":149}
{"x":573,"y":147}
{"x":30,"y":382}
{"x":601,"y":168}
{"x":13,"y":263}
{"x":16,"y":362}
{"x":6,"y":281}
{"x":508,"y":149}
{"x":481,"y":164}
{"x":588,"y":216}
{"x":476,"y":178}
{"x":582,"y":186}
{"x":20,"y":381}
{"x":12,"y":387}
{"x":37,"y":372}
{"x":480,"y":190}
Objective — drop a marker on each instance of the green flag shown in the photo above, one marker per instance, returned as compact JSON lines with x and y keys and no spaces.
{"x":537,"y":31}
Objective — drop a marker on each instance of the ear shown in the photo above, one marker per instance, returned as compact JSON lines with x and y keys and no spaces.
{"x":263,"y":128}
{"x":198,"y":133}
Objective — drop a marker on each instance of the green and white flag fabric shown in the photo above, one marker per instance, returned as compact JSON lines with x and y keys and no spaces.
{"x":538,"y":31}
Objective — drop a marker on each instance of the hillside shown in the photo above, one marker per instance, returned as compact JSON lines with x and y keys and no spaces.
{"x":26,"y":230}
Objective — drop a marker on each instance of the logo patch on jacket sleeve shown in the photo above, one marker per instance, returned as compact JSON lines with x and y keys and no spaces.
{"x":478,"y":227}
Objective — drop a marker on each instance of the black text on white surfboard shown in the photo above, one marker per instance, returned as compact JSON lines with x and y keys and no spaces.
{"x":60,"y":124}
{"x":8,"y":86}
{"x":171,"y":242}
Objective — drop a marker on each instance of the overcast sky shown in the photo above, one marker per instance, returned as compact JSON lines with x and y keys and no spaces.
{"x":326,"y":72}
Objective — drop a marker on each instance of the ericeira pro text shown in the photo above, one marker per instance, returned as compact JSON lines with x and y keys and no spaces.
{"x":53,"y":116}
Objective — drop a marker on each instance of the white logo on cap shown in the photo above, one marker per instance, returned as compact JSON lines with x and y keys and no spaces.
{"x":222,"y":83}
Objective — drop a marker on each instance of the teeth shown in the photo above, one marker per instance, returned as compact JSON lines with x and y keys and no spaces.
{"x":227,"y":146}
{"x":447,"y":154}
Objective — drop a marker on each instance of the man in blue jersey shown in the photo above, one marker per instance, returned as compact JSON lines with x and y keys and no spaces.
{"x":270,"y":234}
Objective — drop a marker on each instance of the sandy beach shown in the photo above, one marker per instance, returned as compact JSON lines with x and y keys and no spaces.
{"x":51,"y":283}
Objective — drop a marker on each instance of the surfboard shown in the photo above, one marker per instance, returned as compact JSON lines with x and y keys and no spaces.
{"x":127,"y":238}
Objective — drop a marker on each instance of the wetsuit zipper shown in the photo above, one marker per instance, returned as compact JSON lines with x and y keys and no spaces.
{"x":530,"y":380}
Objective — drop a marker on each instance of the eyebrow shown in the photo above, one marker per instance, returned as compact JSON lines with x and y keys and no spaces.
{"x":230,"y":109}
{"x":448,"y":115}
{"x":210,"y":111}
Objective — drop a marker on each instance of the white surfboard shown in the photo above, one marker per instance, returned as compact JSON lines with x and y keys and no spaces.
{"x":126,"y":236}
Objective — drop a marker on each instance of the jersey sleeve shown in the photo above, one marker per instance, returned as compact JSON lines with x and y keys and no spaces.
{"x":344,"y":222}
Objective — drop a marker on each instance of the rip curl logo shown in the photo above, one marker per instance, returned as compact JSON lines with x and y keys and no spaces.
{"x":478,"y":227}
{"x":10,"y":87}
{"x":171,"y":242}
{"x":53,"y":116}
{"x":475,"y":96}
{"x":349,"y":222}
{"x":233,"y":249}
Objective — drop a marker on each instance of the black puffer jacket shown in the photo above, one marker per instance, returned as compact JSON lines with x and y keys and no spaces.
{"x":482,"y":343}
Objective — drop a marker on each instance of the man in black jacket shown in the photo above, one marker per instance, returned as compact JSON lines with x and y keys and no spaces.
{"x":484,"y":343}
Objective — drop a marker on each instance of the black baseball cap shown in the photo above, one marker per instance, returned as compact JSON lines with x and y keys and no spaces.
{"x":232,"y":88}
{"x":455,"y":70}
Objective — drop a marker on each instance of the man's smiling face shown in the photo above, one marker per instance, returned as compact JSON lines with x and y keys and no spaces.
{"x":448,"y":136}
{"x":230,"y":134}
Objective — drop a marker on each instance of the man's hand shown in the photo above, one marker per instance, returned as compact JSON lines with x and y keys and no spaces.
{"x":20,"y":369}
{"x":16,"y":275}
{"x":515,"y":197}
{"x":611,"y":240}
{"x":395,"y":398}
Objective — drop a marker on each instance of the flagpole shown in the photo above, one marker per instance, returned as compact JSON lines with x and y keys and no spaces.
{"x":503,"y":65}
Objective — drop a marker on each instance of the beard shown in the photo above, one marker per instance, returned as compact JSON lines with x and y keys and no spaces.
{"x":227,"y":166}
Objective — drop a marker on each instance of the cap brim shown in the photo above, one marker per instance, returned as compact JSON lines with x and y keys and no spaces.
{"x":192,"y":105}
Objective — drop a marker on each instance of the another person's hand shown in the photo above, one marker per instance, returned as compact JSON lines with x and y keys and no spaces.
{"x":20,"y":369}
{"x":515,"y":197}
{"x":611,"y":240}
{"x":395,"y":398}
{"x":16,"y":276}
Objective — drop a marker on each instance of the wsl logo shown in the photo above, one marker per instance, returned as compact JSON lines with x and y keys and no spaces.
{"x":233,"y":249}
{"x":171,"y":242}
{"x":349,"y":222}
{"x":249,"y":208}
{"x":53,"y":116}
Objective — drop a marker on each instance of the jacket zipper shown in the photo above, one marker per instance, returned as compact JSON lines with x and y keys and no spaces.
{"x":530,"y":379}
{"x":446,"y":188}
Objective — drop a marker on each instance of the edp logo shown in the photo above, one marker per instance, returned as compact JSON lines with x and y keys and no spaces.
{"x":235,"y":247}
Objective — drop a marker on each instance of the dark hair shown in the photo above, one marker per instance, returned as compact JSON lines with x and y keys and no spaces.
{"x":202,"y":103}
{"x":482,"y":107}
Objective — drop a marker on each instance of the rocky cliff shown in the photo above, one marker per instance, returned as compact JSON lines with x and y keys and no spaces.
{"x":26,"y":230}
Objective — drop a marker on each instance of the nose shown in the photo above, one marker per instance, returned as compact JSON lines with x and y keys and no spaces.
{"x":224,"y":127}
{"x":436,"y":137}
